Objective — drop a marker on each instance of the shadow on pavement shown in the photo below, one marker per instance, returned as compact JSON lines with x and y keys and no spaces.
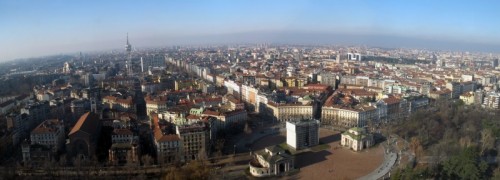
{"x":268,"y":141}
{"x":308,"y":158}
{"x":330,"y":139}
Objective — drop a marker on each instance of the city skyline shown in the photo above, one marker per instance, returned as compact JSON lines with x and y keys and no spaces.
{"x":37,"y":28}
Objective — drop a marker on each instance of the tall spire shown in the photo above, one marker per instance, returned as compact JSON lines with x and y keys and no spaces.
{"x":128,"y":47}
{"x":127,"y":40}
{"x":128,"y":62}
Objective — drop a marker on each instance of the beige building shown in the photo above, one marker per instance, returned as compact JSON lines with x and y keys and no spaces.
{"x":284,"y":112}
{"x":467,"y":98}
{"x":227,"y":119}
{"x":119,"y":104}
{"x":357,"y":139}
{"x":271,"y":161}
{"x":156,"y":105}
{"x":357,"y":116}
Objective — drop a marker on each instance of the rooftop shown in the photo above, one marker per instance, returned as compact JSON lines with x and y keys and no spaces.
{"x":47,"y":126}
{"x":88,"y":123}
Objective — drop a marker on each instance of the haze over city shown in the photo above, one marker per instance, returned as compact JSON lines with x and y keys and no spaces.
{"x":274,"y":89}
{"x":31,"y":28}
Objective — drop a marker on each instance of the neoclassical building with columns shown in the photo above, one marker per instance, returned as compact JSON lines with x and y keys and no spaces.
{"x":357,"y":139}
{"x":271,"y":161}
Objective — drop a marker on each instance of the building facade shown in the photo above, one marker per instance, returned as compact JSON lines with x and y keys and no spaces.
{"x":50,"y":134}
{"x":357,"y":139}
{"x":271,"y":161}
{"x":84,"y":136}
{"x":303,"y":133}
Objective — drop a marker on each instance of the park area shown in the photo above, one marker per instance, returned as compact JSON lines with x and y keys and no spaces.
{"x":336,"y":162}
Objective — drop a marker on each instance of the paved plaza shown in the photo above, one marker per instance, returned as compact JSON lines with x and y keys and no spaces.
{"x":334,"y":163}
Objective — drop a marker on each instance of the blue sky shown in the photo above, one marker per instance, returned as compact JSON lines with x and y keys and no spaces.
{"x":41,"y":27}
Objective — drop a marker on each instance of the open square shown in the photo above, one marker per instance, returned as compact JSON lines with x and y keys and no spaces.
{"x":336,"y":162}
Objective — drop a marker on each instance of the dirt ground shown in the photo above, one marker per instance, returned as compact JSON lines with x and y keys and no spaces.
{"x":334,"y":163}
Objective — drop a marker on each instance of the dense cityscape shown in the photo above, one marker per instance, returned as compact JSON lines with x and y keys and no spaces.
{"x":184,"y":90}
{"x":137,"y":112}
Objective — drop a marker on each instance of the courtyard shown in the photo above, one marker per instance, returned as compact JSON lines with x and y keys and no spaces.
{"x":335,"y":162}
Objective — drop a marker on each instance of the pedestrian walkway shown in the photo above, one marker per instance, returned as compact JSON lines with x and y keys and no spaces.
{"x":384,"y":168}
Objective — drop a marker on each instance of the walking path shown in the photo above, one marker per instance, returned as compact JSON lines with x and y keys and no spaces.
{"x":384,"y":168}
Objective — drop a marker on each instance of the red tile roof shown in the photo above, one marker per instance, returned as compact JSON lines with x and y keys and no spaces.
{"x":88,"y":123}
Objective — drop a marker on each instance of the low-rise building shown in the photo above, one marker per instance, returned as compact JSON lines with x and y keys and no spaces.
{"x":156,"y":105}
{"x":120,"y":104}
{"x":271,"y":161}
{"x":50,"y":133}
{"x":467,"y":98}
{"x":357,"y":139}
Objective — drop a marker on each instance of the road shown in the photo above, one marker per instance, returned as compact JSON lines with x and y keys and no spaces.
{"x":123,"y":171}
{"x":389,"y":161}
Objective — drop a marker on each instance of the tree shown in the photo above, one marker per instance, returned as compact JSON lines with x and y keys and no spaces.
{"x":466,"y":165}
{"x":195,"y":170}
{"x":496,"y":174}
{"x":416,"y":146}
{"x":487,"y":140}
{"x":465,"y":142}
{"x":175,"y":173}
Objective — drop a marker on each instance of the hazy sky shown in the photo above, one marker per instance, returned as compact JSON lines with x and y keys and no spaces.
{"x":41,"y":27}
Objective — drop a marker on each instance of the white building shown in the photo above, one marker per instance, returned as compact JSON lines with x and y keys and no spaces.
{"x":354,"y":56}
{"x":50,"y":133}
{"x":302,"y":133}
{"x":492,"y":100}
{"x":232,"y":87}
{"x":357,"y":139}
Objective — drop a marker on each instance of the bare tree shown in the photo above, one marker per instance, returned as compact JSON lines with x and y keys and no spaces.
{"x":416,"y":146}
{"x":175,"y":173}
{"x":487,"y":140}
{"x":465,"y":142}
